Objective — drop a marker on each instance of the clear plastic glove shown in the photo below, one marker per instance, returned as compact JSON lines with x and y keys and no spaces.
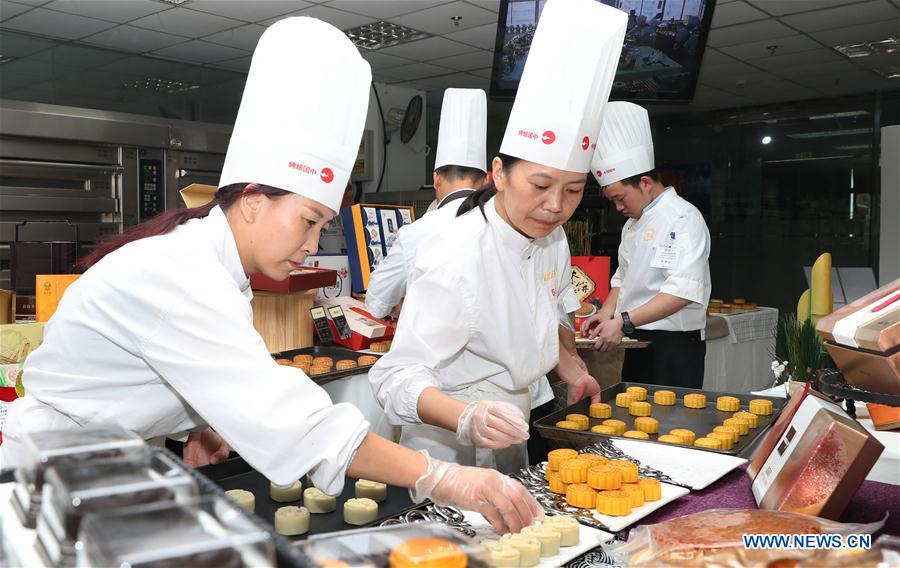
{"x":504,"y":502}
{"x":491,"y":424}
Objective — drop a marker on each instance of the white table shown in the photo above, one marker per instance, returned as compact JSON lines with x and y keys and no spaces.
{"x":742,"y":360}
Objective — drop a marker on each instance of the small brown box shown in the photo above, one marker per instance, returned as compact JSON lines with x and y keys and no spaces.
{"x":868,"y":370}
{"x":307,"y":278}
{"x":871,"y":322}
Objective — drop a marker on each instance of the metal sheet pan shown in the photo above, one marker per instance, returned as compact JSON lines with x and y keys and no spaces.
{"x":701,"y":421}
{"x":336,"y":353}
{"x":237,"y":474}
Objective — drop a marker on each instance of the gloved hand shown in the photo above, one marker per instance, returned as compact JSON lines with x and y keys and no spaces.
{"x":504,"y":502}
{"x":491,"y":424}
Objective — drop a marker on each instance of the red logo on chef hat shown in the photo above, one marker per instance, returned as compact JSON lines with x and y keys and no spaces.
{"x":327,"y":175}
{"x":585,"y":143}
{"x":548,"y":137}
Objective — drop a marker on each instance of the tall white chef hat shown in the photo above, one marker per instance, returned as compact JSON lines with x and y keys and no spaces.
{"x":462,"y":136}
{"x":302,"y":113}
{"x":625,"y":145}
{"x":565,"y":84}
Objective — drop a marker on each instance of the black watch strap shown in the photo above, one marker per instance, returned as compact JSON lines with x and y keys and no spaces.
{"x":627,"y":326}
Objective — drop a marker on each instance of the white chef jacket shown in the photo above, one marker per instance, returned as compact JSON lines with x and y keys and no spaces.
{"x":483,"y":306}
{"x":158,"y":337}
{"x":395,"y":274}
{"x":665,"y":250}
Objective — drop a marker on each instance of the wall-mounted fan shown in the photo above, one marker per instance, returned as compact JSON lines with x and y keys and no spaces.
{"x":406,"y":121}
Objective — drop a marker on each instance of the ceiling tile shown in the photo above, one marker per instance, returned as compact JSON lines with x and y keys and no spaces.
{"x":18,"y":45}
{"x":735,"y":13}
{"x":186,"y":23}
{"x":56,"y":24}
{"x":732,"y":82}
{"x":455,"y":80}
{"x":428,"y":49}
{"x":713,"y":56}
{"x":239,"y":64}
{"x":383,"y":9}
{"x":834,"y":76}
{"x":782,"y":7}
{"x":486,"y":72}
{"x":824,"y":70}
{"x":467,"y":61}
{"x":760,"y":49}
{"x":245,"y":37}
{"x":252,"y":11}
{"x":199,"y":51}
{"x":12,"y":81}
{"x":492,"y":5}
{"x":32,"y":2}
{"x":42,"y":69}
{"x":337,"y":18}
{"x":731,"y":69}
{"x":11,"y":9}
{"x":859,"y":33}
{"x":204,"y":76}
{"x":143,"y":66}
{"x":794,"y":61}
{"x":863,"y":13}
{"x":438,"y":21}
{"x":119,"y":12}
{"x":135,"y":40}
{"x":746,"y":33}
{"x":415,"y":71}
{"x":873,"y":61}
{"x":482,"y":36}
{"x":378,"y":60}
{"x":78,"y":56}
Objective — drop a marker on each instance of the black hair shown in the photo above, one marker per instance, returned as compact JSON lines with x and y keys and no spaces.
{"x":635,"y":181}
{"x":454,"y":174}
{"x":482,"y":196}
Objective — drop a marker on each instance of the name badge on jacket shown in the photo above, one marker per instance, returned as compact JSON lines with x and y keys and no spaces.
{"x":665,"y":256}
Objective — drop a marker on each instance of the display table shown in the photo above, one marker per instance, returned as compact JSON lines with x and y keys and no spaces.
{"x":869,"y":505}
{"x":741,"y":361}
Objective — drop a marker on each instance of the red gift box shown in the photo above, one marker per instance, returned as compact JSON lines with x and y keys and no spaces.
{"x":299,"y":280}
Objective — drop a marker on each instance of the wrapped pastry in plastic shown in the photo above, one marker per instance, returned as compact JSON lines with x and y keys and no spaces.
{"x":398,"y":546}
{"x":42,"y":450}
{"x":212,"y":532}
{"x":71,"y":490}
{"x":716,"y":538}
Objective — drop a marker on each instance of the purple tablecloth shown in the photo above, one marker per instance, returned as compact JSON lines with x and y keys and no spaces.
{"x":733,"y":492}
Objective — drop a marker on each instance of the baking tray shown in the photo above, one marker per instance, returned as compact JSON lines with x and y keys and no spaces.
{"x":701,"y":421}
{"x":237,"y":474}
{"x":336,"y":353}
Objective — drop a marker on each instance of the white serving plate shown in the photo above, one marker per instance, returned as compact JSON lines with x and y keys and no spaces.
{"x":697,"y":469}
{"x":589,"y":539}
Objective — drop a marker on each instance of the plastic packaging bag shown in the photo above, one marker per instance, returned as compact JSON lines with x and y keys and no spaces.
{"x":716,"y":538}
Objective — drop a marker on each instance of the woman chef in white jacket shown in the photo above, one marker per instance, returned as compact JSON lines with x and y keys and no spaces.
{"x":480,"y":322}
{"x":157,"y":336}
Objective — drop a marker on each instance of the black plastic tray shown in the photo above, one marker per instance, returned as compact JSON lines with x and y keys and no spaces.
{"x":336,"y":353}
{"x":237,"y":474}
{"x":701,"y":421}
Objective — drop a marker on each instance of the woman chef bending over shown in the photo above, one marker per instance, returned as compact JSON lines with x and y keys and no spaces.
{"x":480,"y":322}
{"x":157,"y":336}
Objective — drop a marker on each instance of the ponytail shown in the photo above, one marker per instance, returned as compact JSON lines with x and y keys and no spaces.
{"x":167,"y":221}
{"x":483,"y":195}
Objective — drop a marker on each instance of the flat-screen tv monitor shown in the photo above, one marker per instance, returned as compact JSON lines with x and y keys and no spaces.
{"x":664,"y":44}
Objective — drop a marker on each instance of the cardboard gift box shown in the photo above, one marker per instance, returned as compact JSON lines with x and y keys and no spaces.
{"x":49,"y":290}
{"x":198,"y":194}
{"x":863,"y":338}
{"x":17,"y":340}
{"x":370,"y":230}
{"x":813,"y":459}
{"x":365,"y":327}
{"x":297,"y":281}
{"x":338,"y":263}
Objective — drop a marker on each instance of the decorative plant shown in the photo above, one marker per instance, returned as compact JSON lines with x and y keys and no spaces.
{"x":799,"y":351}
{"x":578,"y":233}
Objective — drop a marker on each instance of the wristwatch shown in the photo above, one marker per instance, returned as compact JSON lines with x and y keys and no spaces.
{"x":627,"y":326}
